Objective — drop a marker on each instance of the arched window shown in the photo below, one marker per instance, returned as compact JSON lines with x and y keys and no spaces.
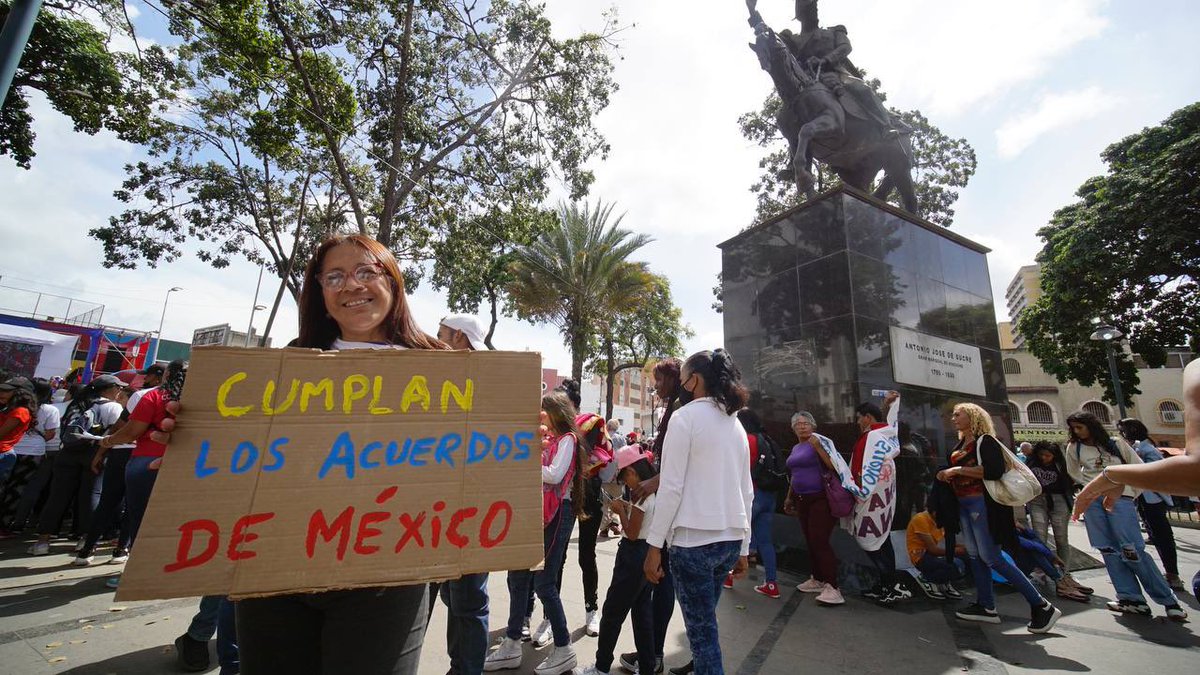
{"x":1170,"y":412}
{"x":1014,"y":411}
{"x":1099,"y":410}
{"x":1012,"y":367}
{"x":1039,"y":412}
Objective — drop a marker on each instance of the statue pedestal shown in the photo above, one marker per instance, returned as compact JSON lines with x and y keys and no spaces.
{"x":845,"y":294}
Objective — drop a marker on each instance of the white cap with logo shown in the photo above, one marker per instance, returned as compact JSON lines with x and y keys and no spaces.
{"x":469,"y":326}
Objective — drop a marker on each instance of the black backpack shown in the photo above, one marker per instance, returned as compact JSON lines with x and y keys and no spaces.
{"x":79,"y":421}
{"x":770,"y":473}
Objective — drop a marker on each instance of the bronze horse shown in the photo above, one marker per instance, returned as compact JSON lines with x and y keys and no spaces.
{"x":817,"y":127}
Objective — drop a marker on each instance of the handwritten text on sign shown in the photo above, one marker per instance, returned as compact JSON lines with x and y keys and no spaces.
{"x":298,"y":470}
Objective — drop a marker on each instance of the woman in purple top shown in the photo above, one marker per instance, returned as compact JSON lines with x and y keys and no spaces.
{"x":806,"y":500}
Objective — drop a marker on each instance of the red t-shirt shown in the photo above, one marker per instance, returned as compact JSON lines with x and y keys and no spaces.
{"x":152,"y":410}
{"x":860,"y":449}
{"x":24,"y":419}
{"x":753,"y":438}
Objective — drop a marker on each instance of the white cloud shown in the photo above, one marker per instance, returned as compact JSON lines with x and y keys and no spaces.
{"x":946,"y":56}
{"x":1053,"y":111}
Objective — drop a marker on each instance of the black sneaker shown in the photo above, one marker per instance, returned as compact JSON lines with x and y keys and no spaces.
{"x":876,"y":593}
{"x":1043,"y":618}
{"x":951,"y":592}
{"x":931,"y":589}
{"x":191,"y":655}
{"x":684,"y":670}
{"x":1129,"y":607}
{"x":979,"y":613}
{"x":629,"y":661}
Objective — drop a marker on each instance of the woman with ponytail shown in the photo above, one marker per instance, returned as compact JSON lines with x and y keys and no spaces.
{"x":564,"y":461}
{"x":704,"y":499}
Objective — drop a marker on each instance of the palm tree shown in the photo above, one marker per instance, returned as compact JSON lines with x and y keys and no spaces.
{"x":578,"y":275}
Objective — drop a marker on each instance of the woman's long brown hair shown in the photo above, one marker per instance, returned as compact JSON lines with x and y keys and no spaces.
{"x":318,"y":329}
{"x":560,"y":413}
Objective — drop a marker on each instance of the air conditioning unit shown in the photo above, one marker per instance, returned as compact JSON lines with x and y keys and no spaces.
{"x":1171,"y":416}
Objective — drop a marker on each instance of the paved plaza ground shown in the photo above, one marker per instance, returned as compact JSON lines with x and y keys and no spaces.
{"x":60,"y":619}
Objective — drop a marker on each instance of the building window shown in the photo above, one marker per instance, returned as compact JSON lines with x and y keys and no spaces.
{"x":1014,"y":412}
{"x":1012,"y":367}
{"x":1039,"y":412}
{"x":1099,"y":410}
{"x":1170,"y":412}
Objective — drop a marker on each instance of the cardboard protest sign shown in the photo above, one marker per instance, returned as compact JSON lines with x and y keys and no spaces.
{"x":300,"y":470}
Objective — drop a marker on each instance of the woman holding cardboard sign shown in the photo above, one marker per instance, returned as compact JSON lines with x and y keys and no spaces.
{"x":353,"y":298}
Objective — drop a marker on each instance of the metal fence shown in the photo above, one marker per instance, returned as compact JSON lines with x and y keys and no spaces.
{"x":49,"y":307}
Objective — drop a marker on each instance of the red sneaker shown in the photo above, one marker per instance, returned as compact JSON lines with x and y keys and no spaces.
{"x":769,"y":589}
{"x":728,"y":580}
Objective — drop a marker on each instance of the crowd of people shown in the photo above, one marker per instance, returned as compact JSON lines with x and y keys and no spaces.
{"x":692,"y":504}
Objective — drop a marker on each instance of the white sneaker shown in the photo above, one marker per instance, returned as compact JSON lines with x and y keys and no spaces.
{"x":591,"y":670}
{"x":561,"y":660}
{"x":40,"y":548}
{"x":593,"y":623}
{"x":119,"y":556}
{"x":830,"y":596}
{"x":83,"y":561}
{"x":543,"y":635}
{"x":505,"y":656}
{"x":79,"y":545}
{"x":811,"y":586}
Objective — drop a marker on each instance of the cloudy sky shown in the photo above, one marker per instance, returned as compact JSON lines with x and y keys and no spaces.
{"x":1038,"y":88}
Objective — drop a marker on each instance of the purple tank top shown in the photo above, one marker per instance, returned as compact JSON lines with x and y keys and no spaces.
{"x":805,"y":467}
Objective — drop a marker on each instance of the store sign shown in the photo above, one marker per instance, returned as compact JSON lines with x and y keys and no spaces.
{"x":1039,"y":434}
{"x":927,"y":361}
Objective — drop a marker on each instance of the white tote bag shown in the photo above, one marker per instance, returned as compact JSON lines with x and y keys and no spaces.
{"x":1017,"y":486}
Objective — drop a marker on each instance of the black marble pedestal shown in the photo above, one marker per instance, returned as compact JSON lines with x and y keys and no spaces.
{"x":816,"y":300}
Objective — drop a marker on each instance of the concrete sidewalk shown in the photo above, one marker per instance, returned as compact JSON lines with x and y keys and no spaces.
{"x":59,"y":619}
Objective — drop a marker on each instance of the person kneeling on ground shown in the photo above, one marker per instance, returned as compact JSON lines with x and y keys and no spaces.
{"x":926,"y":543}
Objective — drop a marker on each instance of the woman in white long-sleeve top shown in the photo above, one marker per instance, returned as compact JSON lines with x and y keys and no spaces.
{"x":704,"y":500}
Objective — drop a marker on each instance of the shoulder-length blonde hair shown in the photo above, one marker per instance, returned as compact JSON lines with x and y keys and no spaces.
{"x":981,"y":421}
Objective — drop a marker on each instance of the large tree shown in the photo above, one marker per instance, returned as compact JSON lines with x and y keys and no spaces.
{"x":631,"y":340}
{"x":1127,"y":252}
{"x":405,"y":120}
{"x":943,"y":164}
{"x":73,"y":60}
{"x":578,"y":275}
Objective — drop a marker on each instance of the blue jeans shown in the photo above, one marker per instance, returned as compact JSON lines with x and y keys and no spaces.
{"x":761,"y":517}
{"x":466,"y":623}
{"x":1120,"y":542}
{"x":7,"y":461}
{"x":139,"y":482}
{"x":984,"y":554}
{"x":699,"y":572}
{"x":556,"y":535}
{"x":216,"y":616}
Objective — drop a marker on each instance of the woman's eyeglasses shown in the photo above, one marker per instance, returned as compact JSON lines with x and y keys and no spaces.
{"x":335,"y":280}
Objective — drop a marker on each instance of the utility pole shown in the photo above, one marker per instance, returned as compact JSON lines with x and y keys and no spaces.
{"x":22,"y":14}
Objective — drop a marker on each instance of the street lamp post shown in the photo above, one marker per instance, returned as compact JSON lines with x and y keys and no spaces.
{"x":250,"y":329}
{"x":1108,"y":334}
{"x":161,"y":320}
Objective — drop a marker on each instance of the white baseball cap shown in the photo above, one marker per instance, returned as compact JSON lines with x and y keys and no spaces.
{"x":469,"y":326}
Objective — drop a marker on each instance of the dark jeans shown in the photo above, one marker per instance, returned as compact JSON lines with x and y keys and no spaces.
{"x":817,"y":524}
{"x":629,"y":593}
{"x":884,"y":559}
{"x":699,"y":573}
{"x":216,"y":616}
{"x":37,"y":484}
{"x":112,"y":495}
{"x":368,"y":631}
{"x":556,"y":535}
{"x":1159,"y":527}
{"x":589,"y":530}
{"x":73,"y":479}
{"x":936,"y":569}
{"x":139,"y":483}
{"x":24,"y":468}
{"x":7,"y":461}
{"x":662,"y":596}
{"x":466,"y":623}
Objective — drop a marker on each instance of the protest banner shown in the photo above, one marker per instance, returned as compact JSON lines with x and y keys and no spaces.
{"x":298,"y":470}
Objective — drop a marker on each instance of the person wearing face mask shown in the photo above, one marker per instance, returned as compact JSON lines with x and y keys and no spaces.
{"x":353,"y":298}
{"x":704,"y":500}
